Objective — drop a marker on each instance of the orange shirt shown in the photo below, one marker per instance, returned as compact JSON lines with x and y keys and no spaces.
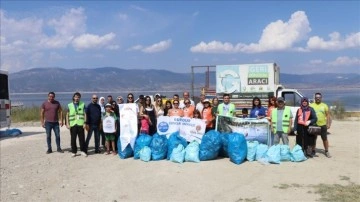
{"x":176,"y":112}
{"x":189,"y":111}
{"x":207,"y":116}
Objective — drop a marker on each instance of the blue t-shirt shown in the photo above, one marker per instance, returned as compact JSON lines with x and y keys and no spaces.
{"x":255,"y":112}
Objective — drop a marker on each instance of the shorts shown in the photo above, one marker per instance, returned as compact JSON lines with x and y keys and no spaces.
{"x":323,"y":133}
{"x":109,"y":136}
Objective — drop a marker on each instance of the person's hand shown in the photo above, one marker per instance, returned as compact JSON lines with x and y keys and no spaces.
{"x":61,"y":123}
{"x":67,"y":126}
{"x":308,"y":123}
{"x":295,"y":132}
{"x":328,"y":126}
{"x":87,"y":127}
{"x":43,"y":125}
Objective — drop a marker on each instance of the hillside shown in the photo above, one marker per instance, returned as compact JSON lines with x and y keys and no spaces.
{"x":117,"y":79}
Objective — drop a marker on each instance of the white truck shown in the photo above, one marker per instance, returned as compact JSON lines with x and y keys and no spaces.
{"x":5,"y":120}
{"x":245,"y":81}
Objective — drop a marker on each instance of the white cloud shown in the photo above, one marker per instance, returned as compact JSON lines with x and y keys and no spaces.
{"x":122,"y":16}
{"x":135,"y":48}
{"x":336,"y":42}
{"x":87,"y":41}
{"x":345,"y":61}
{"x":316,"y":62}
{"x":276,"y":36}
{"x":73,"y":22}
{"x":112,"y":47}
{"x":157,"y":47}
{"x":138,"y":8}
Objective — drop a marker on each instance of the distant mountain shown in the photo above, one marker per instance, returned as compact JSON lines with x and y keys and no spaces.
{"x":113,"y":79}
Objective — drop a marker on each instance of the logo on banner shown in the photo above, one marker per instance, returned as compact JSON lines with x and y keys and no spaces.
{"x":163,"y":127}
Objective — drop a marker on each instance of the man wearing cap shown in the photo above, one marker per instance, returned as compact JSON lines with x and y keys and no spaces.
{"x":281,"y":121}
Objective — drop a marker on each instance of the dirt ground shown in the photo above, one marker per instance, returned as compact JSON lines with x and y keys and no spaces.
{"x":28,"y":174}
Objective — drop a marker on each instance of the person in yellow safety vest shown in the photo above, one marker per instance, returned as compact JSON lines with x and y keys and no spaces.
{"x":226,"y":108}
{"x":281,"y":121}
{"x":75,"y":121}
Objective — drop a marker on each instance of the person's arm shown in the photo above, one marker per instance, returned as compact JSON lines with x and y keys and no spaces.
{"x":42,"y":121}
{"x":296,"y":121}
{"x":67,"y":120}
{"x":328,"y":118}
{"x":61,"y":116}
{"x":85,"y":125}
{"x":313,"y":117}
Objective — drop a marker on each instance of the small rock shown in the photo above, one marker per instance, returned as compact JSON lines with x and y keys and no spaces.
{"x":14,"y":193}
{"x":21,"y":186}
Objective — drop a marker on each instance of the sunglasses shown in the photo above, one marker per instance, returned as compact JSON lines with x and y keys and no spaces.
{"x":176,"y":103}
{"x":119,"y":99}
{"x":94,"y":98}
{"x":187,"y":103}
{"x":130,"y":97}
{"x":317,"y":97}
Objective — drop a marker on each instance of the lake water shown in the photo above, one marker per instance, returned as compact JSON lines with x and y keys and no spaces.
{"x":350,"y":98}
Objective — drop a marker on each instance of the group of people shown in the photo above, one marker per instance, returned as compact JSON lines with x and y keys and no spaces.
{"x":102,"y":118}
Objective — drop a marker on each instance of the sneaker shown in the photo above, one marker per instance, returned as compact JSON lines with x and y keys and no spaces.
{"x":60,"y":150}
{"x":97,"y":152}
{"x":327,"y":154}
{"x":73,"y":155}
{"x":313,"y":153}
{"x":83,"y":154}
{"x":48,"y":151}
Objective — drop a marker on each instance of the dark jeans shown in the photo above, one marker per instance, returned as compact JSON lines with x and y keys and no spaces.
{"x":117,"y":134}
{"x":93,"y":128}
{"x":74,"y":132}
{"x":52,"y":126}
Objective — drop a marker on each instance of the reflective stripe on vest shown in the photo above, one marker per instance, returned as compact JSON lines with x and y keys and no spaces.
{"x":285,"y":119}
{"x":300,"y":116}
{"x":231,"y":111}
{"x":77,"y":117}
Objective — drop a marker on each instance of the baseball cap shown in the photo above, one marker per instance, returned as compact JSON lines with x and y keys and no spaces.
{"x":141,"y":96}
{"x":108,"y":105}
{"x":280,"y":99}
{"x":206,"y":100}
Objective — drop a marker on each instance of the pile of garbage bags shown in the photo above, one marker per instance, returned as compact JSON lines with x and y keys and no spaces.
{"x":213,"y":145}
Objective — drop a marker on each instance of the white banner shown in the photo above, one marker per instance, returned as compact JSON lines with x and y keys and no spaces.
{"x":128,"y":125}
{"x":253,"y":129}
{"x":189,"y":128}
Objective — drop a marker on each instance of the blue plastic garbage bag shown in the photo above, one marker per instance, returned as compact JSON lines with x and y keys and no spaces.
{"x":237,"y":148}
{"x":192,"y":152}
{"x":210,"y":146}
{"x":127,"y":153}
{"x":224,"y":145}
{"x":174,"y":140}
{"x":159,"y":147}
{"x":273,"y":154}
{"x":251,"y":150}
{"x":10,"y":132}
{"x":145,"y":154}
{"x":178,"y":154}
{"x":141,"y":141}
{"x":261,"y":151}
{"x":297,"y":154}
{"x":285,"y":153}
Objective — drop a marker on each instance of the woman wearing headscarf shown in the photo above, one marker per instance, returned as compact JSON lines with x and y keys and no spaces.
{"x":305,"y":116}
{"x":102,"y":135}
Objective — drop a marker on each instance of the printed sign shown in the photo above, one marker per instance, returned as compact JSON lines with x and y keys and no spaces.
{"x":245,"y":78}
{"x":189,"y":128}
{"x":109,"y":124}
{"x":252,"y":129}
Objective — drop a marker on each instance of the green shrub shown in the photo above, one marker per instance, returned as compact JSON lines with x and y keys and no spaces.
{"x":338,"y":110}
{"x":23,"y":114}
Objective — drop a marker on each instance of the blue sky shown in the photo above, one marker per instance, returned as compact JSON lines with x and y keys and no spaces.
{"x":302,"y":37}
